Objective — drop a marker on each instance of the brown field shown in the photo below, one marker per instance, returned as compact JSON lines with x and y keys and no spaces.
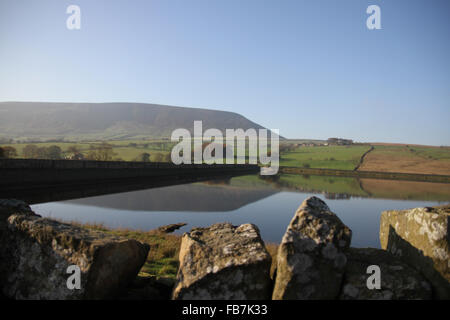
{"x":398,"y":144}
{"x":408,"y":159}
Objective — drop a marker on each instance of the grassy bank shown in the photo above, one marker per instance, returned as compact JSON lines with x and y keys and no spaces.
{"x":162,"y":260}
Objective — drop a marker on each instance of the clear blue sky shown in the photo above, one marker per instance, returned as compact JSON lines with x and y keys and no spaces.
{"x":308,"y":67}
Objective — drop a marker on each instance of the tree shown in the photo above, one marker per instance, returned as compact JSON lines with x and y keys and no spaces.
{"x":8,"y":152}
{"x":74,"y":153}
{"x":2,"y":153}
{"x":143,"y":157}
{"x":30,"y":151}
{"x":92,"y":154}
{"x":53,"y":152}
{"x":104,"y":152}
{"x":41,"y":153}
{"x":73,"y":149}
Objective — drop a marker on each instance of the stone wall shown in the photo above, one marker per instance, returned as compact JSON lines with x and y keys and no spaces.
{"x":314,"y":261}
{"x":26,"y":173}
{"x":35,"y":254}
{"x":421,"y":237}
{"x":223,"y":262}
{"x":226,"y":262}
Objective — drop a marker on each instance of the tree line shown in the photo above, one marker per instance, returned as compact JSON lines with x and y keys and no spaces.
{"x":98,"y":152}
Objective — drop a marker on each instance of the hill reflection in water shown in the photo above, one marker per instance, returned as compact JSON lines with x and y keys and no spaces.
{"x":269,"y":203}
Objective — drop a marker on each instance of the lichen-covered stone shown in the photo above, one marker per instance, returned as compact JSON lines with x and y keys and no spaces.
{"x":171,"y":227}
{"x":398,"y":281}
{"x":36,"y":253}
{"x":311,"y":257}
{"x":223,"y":262}
{"x":421,"y":238}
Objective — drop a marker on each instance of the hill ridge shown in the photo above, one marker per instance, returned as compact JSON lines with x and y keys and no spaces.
{"x":108,"y":120}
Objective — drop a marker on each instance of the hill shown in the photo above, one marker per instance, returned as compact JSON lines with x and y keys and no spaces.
{"x":24,"y":121}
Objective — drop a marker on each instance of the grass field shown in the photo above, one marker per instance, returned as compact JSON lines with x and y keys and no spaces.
{"x":385,"y":158}
{"x":408,"y":159}
{"x":126,"y":150}
{"x":329,"y":157}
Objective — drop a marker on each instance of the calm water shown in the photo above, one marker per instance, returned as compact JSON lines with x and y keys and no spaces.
{"x":268,"y":204}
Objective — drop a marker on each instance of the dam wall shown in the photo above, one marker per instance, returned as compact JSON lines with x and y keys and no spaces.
{"x":19,"y":174}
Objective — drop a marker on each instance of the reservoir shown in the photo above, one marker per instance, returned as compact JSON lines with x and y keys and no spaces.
{"x":269,"y":203}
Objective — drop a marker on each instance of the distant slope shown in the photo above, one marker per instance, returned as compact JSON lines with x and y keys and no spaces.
{"x":78,"y":121}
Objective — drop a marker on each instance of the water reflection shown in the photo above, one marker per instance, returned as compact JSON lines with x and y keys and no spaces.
{"x":188,"y":197}
{"x":267,"y":202}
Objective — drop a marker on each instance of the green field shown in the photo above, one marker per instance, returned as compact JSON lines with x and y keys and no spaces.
{"x":332,"y":157}
{"x":413,"y":159}
{"x":126,"y":150}
{"x":328,"y":157}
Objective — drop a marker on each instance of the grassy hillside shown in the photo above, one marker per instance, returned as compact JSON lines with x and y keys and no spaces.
{"x":107,"y":121}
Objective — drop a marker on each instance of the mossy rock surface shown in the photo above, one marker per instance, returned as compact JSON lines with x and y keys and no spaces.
{"x":223,"y":262}
{"x":311,"y":258}
{"x":36,"y":252}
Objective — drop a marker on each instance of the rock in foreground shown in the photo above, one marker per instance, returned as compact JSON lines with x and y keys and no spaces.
{"x":420,"y":237}
{"x":10,"y":206}
{"x":311,"y":256}
{"x":223,"y":262}
{"x":39,"y":251}
{"x":171,"y":227}
{"x":149,"y":288}
{"x":398,"y":281}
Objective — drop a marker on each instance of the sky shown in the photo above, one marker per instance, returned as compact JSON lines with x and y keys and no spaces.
{"x":310,"y":68}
